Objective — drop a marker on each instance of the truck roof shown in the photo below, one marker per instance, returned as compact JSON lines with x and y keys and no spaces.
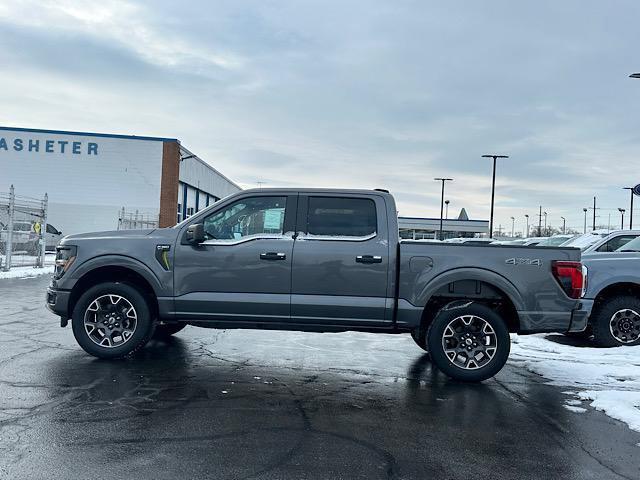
{"x":346,"y":191}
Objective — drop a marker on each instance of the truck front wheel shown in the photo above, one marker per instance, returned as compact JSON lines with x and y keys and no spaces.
{"x":112,"y":320}
{"x":468,"y":342}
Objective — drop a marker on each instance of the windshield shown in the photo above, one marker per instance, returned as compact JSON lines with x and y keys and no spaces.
{"x":585,"y":241}
{"x":632,"y":246}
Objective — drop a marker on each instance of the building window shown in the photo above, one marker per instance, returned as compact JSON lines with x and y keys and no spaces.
{"x":190,"y":211}
{"x":179,"y":213}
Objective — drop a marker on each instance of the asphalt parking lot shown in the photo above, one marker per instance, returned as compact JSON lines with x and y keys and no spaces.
{"x":270,"y":405}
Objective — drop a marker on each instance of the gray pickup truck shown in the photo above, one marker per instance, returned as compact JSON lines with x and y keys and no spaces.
{"x":614,"y":287}
{"x":314,"y":260}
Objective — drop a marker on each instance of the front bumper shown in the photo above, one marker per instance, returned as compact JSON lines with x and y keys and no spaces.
{"x":57,"y":301}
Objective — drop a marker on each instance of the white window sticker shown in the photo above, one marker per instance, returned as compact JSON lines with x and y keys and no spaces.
{"x":273,"y":218}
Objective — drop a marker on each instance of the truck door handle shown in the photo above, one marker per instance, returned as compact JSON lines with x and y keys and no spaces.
{"x":272,"y":256}
{"x":369,"y":259}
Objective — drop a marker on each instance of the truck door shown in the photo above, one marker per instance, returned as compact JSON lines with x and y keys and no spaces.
{"x":243,"y":269}
{"x":341,"y":261}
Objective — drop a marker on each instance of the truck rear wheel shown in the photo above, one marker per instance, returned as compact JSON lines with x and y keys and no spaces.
{"x":617,"y":322}
{"x":112,"y":320}
{"x":468,"y":342}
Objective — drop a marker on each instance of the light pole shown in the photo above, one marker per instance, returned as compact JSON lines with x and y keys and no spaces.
{"x":493,"y":188}
{"x":564,"y":225}
{"x":545,"y":224}
{"x":446,"y":207}
{"x":527,"y":217}
{"x":622,"y":210}
{"x":585,"y":219}
{"x":442,"y":202}
{"x":630,"y":207}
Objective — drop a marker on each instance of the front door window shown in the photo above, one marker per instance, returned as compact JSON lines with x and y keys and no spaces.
{"x":249,"y":217}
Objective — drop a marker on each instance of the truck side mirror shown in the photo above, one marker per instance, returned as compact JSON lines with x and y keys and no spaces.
{"x":195,"y":233}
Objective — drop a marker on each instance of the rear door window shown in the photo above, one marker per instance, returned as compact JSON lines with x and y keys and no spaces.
{"x":341,"y":217}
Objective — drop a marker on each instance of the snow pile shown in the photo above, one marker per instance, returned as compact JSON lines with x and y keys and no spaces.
{"x":26,"y":272}
{"x":608,"y":377}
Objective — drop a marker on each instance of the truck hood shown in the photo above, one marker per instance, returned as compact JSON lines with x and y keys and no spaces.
{"x":110,"y":234}
{"x":123,"y":237}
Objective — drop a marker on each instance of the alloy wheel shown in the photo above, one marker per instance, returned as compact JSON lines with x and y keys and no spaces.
{"x":625,"y":326}
{"x":110,"y":321}
{"x":469,"y":342}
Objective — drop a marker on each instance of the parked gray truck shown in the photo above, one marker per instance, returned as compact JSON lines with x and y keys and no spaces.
{"x":314,"y":260}
{"x":614,"y":287}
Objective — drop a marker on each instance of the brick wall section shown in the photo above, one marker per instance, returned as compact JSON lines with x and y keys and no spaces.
{"x":169,"y":183}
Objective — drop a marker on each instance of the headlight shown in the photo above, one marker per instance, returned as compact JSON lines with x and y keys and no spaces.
{"x":65,"y":256}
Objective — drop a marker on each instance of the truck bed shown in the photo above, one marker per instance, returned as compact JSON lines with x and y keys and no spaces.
{"x":522,"y":274}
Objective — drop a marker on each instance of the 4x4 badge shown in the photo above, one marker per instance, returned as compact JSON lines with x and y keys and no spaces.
{"x":536,"y":262}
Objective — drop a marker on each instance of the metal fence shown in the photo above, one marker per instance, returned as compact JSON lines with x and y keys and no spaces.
{"x":136,"y":220}
{"x":23,"y":227}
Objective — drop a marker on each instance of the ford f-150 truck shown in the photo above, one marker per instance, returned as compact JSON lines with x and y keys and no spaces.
{"x":314,"y":260}
{"x":614,"y":287}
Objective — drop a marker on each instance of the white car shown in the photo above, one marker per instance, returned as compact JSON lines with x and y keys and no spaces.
{"x":52,"y":237}
{"x":25,"y":238}
{"x":586,"y":240}
{"x":556,"y":240}
{"x":611,"y":242}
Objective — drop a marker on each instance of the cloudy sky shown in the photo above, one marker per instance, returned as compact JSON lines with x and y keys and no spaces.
{"x":351,"y":93}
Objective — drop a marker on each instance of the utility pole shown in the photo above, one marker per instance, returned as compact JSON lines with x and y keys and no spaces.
{"x":622,"y":210}
{"x":585,"y":219}
{"x":540,"y":222}
{"x":594,"y":208}
{"x":513,"y":226}
{"x":442,"y":202}
{"x":630,"y":208}
{"x":527,"y":217}
{"x":564,"y":225}
{"x":493,"y":188}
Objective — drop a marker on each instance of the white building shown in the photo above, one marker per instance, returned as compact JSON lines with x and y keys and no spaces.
{"x":91,"y":178}
{"x":421,"y":228}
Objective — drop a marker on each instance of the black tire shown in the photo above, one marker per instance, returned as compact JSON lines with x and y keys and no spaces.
{"x":164,"y":331}
{"x":141,"y":334}
{"x":420,"y":338}
{"x":616,"y":322}
{"x":482,"y":361}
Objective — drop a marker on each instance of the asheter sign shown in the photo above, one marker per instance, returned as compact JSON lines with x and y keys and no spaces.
{"x":48,"y":146}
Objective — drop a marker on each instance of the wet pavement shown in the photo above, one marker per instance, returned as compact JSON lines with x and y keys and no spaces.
{"x":272,"y":405}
